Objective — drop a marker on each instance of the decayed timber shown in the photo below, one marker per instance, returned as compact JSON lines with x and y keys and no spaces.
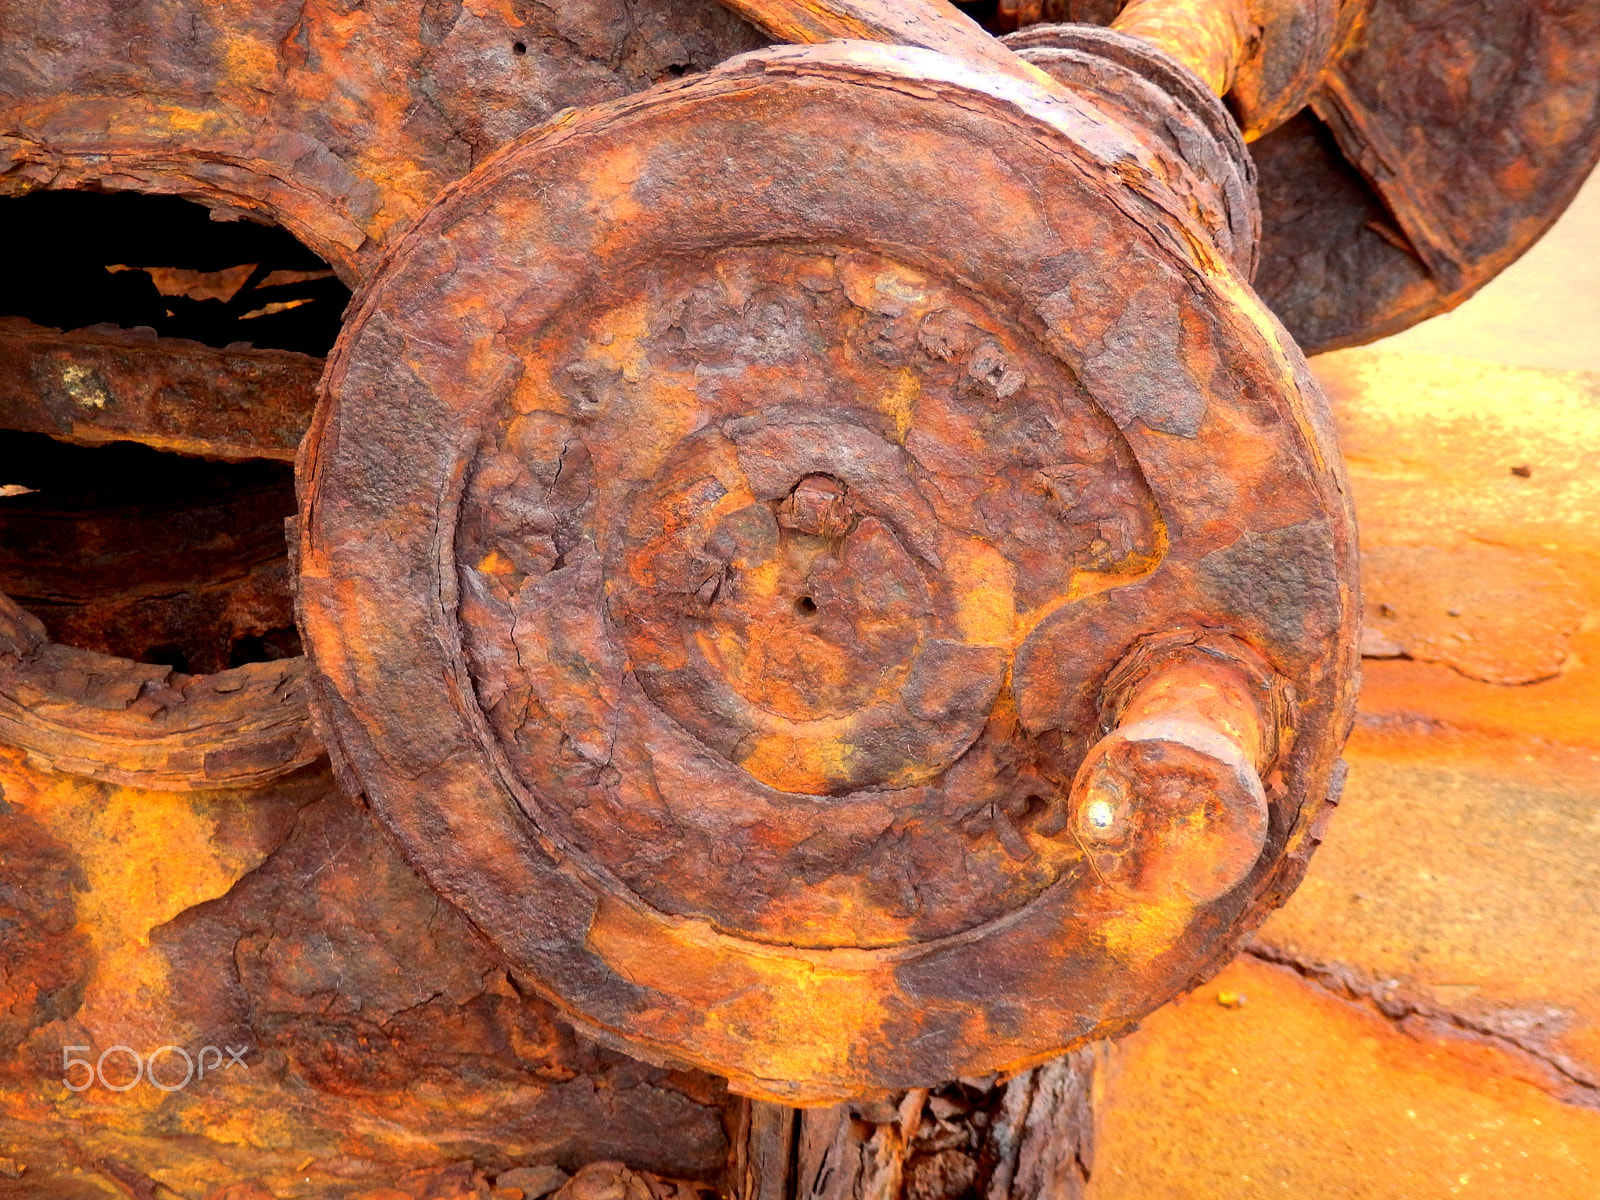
{"x":1028,"y":1136}
{"x":775,"y":565}
{"x":139,"y":725}
{"x":105,"y":385}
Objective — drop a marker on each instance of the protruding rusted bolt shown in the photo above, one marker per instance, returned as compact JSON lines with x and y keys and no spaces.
{"x":1169,"y":804}
{"x":818,"y":505}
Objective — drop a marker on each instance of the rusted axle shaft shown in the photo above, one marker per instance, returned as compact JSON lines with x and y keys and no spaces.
{"x":1210,"y":37}
{"x":1170,"y":805}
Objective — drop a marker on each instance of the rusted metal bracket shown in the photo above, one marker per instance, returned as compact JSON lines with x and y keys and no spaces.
{"x":107,"y":384}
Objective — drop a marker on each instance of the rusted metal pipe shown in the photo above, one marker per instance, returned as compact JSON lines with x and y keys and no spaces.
{"x":1210,"y":37}
{"x":103,"y":385}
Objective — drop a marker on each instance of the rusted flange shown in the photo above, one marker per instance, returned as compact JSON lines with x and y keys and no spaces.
{"x":1155,"y":95}
{"x":146,"y":726}
{"x":723,"y":515}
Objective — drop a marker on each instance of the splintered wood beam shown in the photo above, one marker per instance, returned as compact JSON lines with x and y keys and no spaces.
{"x":1029,"y":1135}
{"x":105,"y":384}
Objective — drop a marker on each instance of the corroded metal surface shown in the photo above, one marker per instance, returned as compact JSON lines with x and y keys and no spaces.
{"x":337,"y":122}
{"x":113,"y":384}
{"x":1153,"y":93}
{"x":1404,"y":160}
{"x":1445,"y":141}
{"x":117,"y":554}
{"x":142,"y":725}
{"x":128,"y":552}
{"x":380,"y":1042}
{"x":338,"y":125}
{"x":868,"y":604}
{"x":985,"y":409}
{"x":383,"y":1048}
{"x":1210,"y":37}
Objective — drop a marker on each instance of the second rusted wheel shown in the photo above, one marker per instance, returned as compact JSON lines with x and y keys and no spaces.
{"x":750,"y":527}
{"x":1403,"y":163}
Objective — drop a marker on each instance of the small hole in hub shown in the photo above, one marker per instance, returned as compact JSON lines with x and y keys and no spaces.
{"x":519,"y":47}
{"x":805,"y":606}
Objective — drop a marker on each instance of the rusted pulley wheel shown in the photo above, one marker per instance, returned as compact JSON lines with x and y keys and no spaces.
{"x":830,"y":566}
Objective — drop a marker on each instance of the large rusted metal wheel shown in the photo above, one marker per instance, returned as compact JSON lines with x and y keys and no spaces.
{"x":830,"y":566}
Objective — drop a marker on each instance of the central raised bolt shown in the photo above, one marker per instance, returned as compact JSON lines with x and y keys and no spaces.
{"x":819,"y":505}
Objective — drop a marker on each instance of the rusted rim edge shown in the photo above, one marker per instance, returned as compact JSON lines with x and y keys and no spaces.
{"x":552,"y":925}
{"x":135,"y":725}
